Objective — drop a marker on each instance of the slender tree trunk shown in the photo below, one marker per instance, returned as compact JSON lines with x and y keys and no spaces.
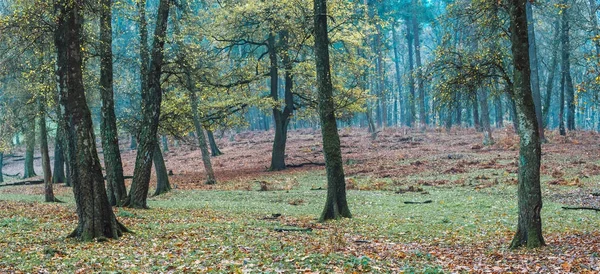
{"x":29,"y":171}
{"x":115,"y":182}
{"x":499,"y":111}
{"x":551,"y":73}
{"x":1,"y":165}
{"x":210,"y":174}
{"x":165,"y":143}
{"x":568,"y":89}
{"x":336,"y":205}
{"x":96,"y":219}
{"x":458,"y":102}
{"x":529,"y":228}
{"x":151,"y":100}
{"x":214,"y":149}
{"x":162,"y":176}
{"x":417,"y":45}
{"x":398,"y":73}
{"x":133,"y":142}
{"x":411,"y":71}
{"x":58,"y":174}
{"x":474,"y":103}
{"x":48,"y":189}
{"x":485,"y":117}
{"x":380,"y":80}
{"x":535,"y":79}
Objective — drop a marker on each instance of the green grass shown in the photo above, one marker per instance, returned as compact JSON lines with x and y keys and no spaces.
{"x":224,"y":231}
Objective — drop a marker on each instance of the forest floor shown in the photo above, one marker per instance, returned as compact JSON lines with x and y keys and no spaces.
{"x":235,"y":227}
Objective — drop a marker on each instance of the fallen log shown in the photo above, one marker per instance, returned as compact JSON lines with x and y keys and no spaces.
{"x":581,"y":208}
{"x":24,"y":182}
{"x":292,"y":229}
{"x":417,"y":203}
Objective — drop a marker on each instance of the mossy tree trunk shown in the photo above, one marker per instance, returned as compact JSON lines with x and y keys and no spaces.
{"x":336,"y":205}
{"x":162,"y":176}
{"x":529,"y":228}
{"x":151,"y":100}
{"x":28,"y":170}
{"x":96,"y":219}
{"x":115,"y":182}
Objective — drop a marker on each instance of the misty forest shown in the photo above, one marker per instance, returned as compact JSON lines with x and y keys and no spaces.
{"x":295,"y":136}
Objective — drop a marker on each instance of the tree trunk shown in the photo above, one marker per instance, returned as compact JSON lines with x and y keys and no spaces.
{"x":529,"y":229}
{"x":336,"y":205}
{"x":417,"y":45}
{"x":485,"y":117}
{"x":48,"y":189}
{"x":1,"y":165}
{"x":210,"y":174}
{"x":133,"y":142}
{"x":567,"y":85}
{"x":499,"y":112}
{"x":96,"y":219}
{"x":458,"y":102}
{"x":165,"y":143}
{"x":411,"y":79}
{"x":151,"y":100}
{"x":561,"y":107}
{"x":162,"y":175}
{"x":551,"y":73}
{"x":29,"y":171}
{"x":475,"y":107}
{"x":214,"y":149}
{"x":115,"y":183}
{"x":58,"y":174}
{"x":398,"y":73}
{"x":535,"y":79}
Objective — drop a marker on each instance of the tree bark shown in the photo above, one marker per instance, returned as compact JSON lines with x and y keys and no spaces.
{"x":29,"y":171}
{"x":411,"y":70}
{"x":96,"y":219}
{"x":210,"y":174}
{"x":398,"y":73}
{"x":417,"y":45}
{"x":58,"y":174}
{"x":115,"y":183}
{"x":1,"y":165}
{"x":336,"y":205}
{"x":567,"y":85}
{"x":529,"y":228}
{"x":151,"y":100}
{"x":499,"y":112}
{"x":535,"y":79}
{"x":162,"y":175}
{"x":214,"y":149}
{"x":485,"y":117}
{"x":165,"y":143}
{"x":48,"y":189}
{"x":551,"y":73}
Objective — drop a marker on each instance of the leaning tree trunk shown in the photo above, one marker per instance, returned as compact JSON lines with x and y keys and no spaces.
{"x":151,"y":100}
{"x":115,"y":182}
{"x":529,"y":229}
{"x":48,"y":189}
{"x":336,"y":205}
{"x":96,"y":219}
{"x":162,"y":176}
{"x":214,"y":149}
{"x":210,"y":174}
{"x":29,"y":171}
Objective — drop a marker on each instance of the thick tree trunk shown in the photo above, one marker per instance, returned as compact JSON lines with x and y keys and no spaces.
{"x":151,"y":100}
{"x":529,"y":229}
{"x":48,"y":189}
{"x":336,"y":205}
{"x":115,"y":183}
{"x":29,"y":171}
{"x":214,"y":149}
{"x":162,"y":175}
{"x":96,"y":219}
{"x":411,"y":79}
{"x":210,"y":174}
{"x":551,"y":73}
{"x":535,"y":79}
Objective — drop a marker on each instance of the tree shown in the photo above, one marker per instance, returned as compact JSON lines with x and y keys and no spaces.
{"x":567,"y":93}
{"x":28,"y":170}
{"x":336,"y":205}
{"x":162,"y":176}
{"x":96,"y":219}
{"x":48,"y":189}
{"x":151,"y":99}
{"x":117,"y":193}
{"x":535,"y":79}
{"x":529,"y":228}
